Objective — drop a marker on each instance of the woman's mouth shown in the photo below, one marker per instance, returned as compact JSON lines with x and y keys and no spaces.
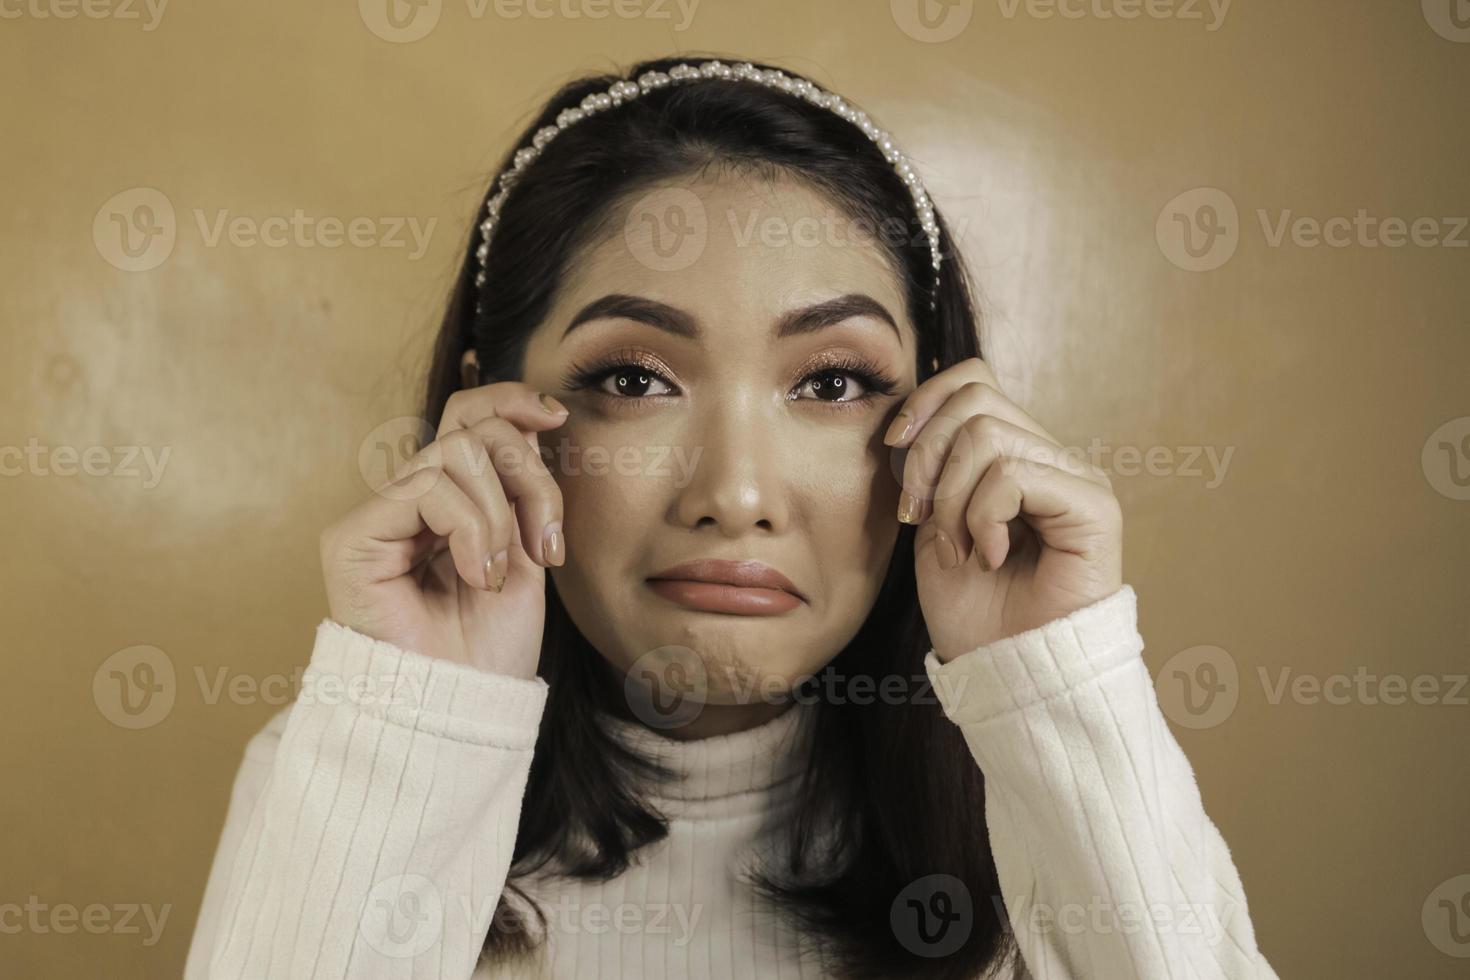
{"x":746,"y":588}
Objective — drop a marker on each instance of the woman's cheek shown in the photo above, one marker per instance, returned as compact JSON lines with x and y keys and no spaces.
{"x":851,"y":468}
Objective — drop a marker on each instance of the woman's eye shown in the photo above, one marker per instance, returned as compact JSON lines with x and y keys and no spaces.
{"x":631,"y":381}
{"x":834,"y":386}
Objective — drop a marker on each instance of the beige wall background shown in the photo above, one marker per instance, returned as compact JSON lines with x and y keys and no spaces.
{"x":1327,"y":539}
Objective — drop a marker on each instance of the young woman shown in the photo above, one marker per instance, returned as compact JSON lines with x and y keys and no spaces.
{"x":734,"y":622}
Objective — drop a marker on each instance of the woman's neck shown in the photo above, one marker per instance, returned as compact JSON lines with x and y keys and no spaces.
{"x":712,"y":773}
{"x":726,"y":719}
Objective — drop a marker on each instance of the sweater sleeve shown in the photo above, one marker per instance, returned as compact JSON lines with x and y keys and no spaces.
{"x":1108,"y":865}
{"x":371,"y":824}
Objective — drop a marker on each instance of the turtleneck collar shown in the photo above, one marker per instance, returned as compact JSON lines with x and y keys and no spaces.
{"x":720,"y":767}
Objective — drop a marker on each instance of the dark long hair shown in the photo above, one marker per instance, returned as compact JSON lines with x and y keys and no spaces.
{"x":891,"y":793}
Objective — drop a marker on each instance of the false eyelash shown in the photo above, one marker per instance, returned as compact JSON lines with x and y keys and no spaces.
{"x":873,"y":378}
{"x":581,"y":376}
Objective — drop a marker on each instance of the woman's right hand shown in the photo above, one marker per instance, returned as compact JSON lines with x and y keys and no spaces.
{"x":415,"y":564}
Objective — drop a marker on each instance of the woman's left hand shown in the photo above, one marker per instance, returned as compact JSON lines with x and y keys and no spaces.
{"x":1014,"y":532}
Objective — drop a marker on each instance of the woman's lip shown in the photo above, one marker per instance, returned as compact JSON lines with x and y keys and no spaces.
{"x":721,"y":597}
{"x":740,"y":574}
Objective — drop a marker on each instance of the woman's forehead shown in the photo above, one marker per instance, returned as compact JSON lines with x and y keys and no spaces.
{"x":735,"y":248}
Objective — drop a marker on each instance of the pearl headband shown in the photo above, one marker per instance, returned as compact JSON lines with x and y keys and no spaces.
{"x":626,"y":90}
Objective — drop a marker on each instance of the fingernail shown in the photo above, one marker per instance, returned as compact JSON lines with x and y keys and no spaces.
{"x":495,"y":570}
{"x":551,"y":544}
{"x":908,"y":508}
{"x":551,"y":405}
{"x":908,"y":423}
{"x":944,"y":550}
{"x":980,"y":557}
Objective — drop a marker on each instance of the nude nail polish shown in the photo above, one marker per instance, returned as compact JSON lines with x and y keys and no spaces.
{"x":552,"y":545}
{"x":908,"y":508}
{"x":908,"y":423}
{"x":944,"y":550}
{"x":496,"y":568}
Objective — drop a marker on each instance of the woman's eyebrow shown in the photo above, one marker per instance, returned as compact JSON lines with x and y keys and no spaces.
{"x":673,"y":320}
{"x":812,"y":318}
{"x":650,"y":311}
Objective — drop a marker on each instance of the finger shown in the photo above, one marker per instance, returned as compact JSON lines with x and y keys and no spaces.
{"x":982,"y":398}
{"x":928,"y":397}
{"x":429,"y":498}
{"x":465,"y":456}
{"x":1068,"y":513}
{"x":931,"y":447}
{"x":978,"y":442}
{"x":514,"y":401}
{"x":425,"y":546}
{"x":494,"y":455}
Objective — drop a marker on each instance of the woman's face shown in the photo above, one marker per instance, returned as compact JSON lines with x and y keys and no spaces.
{"x":721,"y":409}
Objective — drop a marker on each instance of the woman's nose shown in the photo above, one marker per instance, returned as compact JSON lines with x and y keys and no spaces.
{"x":736,"y":480}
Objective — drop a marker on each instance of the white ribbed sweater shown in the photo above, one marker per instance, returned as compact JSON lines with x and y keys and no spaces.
{"x":371,"y":827}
